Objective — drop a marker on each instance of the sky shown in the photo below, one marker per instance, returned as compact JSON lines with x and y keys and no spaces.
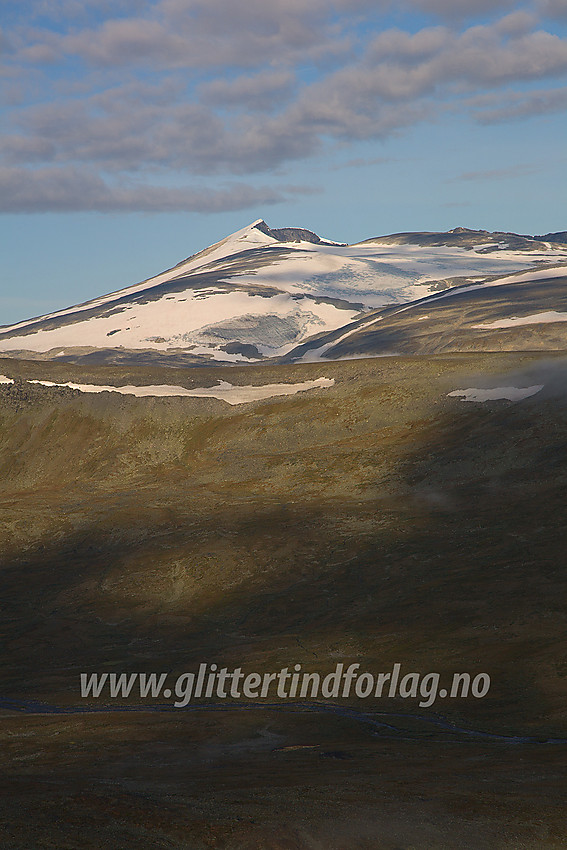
{"x":134,"y":133}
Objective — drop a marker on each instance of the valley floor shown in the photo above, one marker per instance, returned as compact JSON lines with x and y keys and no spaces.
{"x":377,"y":520}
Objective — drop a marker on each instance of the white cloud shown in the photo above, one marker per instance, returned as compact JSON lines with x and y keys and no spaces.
{"x":76,"y":190}
{"x":517,"y":23}
{"x":462,"y":8}
{"x":264,"y":91}
{"x":554,"y":8}
{"x":197,"y":34}
{"x":188,"y":87}
{"x":496,"y":108}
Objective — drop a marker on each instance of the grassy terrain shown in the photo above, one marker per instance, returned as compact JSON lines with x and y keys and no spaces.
{"x":378,"y":521}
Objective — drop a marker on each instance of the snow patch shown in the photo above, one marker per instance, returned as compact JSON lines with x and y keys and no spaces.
{"x":509,"y":393}
{"x":516,"y":321}
{"x":224,"y":391}
{"x":5,"y":380}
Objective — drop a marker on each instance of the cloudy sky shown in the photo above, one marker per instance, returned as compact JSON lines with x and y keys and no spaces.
{"x":135,"y":132}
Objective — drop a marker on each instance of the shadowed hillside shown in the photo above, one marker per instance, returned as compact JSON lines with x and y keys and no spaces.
{"x":375,"y":521}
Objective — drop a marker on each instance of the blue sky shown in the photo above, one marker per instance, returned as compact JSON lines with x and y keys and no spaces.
{"x":134,"y":133}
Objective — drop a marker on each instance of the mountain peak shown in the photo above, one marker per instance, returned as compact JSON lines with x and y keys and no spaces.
{"x":466,"y":230}
{"x":291,"y":234}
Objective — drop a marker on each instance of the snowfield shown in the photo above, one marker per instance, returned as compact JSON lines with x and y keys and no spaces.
{"x":187,"y":319}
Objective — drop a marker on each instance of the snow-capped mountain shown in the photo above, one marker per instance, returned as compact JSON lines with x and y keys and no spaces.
{"x":261,"y":293}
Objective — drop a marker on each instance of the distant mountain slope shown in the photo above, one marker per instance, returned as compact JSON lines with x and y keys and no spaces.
{"x":560,"y":237}
{"x":481,"y":241}
{"x":522,"y":312}
{"x":261,"y":292}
